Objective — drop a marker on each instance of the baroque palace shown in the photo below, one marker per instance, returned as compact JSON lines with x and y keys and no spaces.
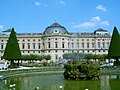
{"x":56,"y":41}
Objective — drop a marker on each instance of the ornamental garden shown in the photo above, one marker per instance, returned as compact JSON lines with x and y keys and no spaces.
{"x":80,"y":66}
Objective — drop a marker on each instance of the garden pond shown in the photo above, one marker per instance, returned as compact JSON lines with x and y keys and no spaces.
{"x":57,"y":82}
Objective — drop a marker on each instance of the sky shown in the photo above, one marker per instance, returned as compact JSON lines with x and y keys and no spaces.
{"x":33,"y":16}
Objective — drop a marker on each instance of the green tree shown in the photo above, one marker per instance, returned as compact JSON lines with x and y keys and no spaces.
{"x":114,"y":49}
{"x":12,"y":50}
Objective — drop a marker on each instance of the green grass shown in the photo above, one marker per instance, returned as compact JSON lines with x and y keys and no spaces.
{"x":115,"y":84}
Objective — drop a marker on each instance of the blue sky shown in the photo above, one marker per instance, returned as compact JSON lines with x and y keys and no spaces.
{"x":76,"y":15}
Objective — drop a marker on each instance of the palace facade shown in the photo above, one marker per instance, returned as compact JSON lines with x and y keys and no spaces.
{"x":56,"y":40}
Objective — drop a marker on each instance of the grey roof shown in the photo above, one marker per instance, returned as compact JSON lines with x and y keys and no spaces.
{"x":55,"y":28}
{"x":100,"y":30}
{"x":8,"y":30}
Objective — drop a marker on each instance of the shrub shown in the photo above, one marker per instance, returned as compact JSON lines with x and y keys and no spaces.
{"x":83,"y":71}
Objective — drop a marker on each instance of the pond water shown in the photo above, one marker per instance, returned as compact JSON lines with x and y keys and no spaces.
{"x":57,"y":82}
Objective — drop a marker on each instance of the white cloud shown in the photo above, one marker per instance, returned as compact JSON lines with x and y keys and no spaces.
{"x":93,"y":22}
{"x":104,"y":23}
{"x":96,"y":19}
{"x":1,"y":27}
{"x":62,"y":2}
{"x":84,"y":25}
{"x":101,"y":7}
{"x":37,"y":3}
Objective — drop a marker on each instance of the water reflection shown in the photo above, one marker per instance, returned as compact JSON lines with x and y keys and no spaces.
{"x":55,"y":82}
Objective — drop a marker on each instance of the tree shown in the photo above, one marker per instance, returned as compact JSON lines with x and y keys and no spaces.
{"x":114,"y":49}
{"x":12,"y":50}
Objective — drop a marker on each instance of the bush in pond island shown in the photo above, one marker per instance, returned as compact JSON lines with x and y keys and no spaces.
{"x":83,"y":71}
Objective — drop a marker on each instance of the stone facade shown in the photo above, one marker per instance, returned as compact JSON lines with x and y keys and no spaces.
{"x":56,"y":41}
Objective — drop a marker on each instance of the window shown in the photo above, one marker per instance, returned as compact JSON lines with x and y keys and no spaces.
{"x":33,"y":45}
{"x":103,"y":44}
{"x":62,"y":38}
{"x":2,"y":45}
{"x":72,"y":45}
{"x":87,"y":39}
{"x":55,"y":30}
{"x":63,"y":45}
{"x":68,"y":45}
{"x":23,"y":45}
{"x":38,"y":39}
{"x":23,"y":40}
{"x":98,"y":44}
{"x":38,"y":45}
{"x":87,"y":45}
{"x":77,"y":45}
{"x":93,"y":45}
{"x":107,"y":44}
{"x":48,"y":44}
{"x":56,"y":57}
{"x":82,"y":45}
{"x":77,"y":39}
{"x":82,"y":39}
{"x":48,"y":38}
{"x":56,"y":44}
{"x":28,"y":45}
{"x":33,"y":39}
{"x":28,"y":40}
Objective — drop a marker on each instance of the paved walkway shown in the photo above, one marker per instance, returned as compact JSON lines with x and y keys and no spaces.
{"x":105,"y":82}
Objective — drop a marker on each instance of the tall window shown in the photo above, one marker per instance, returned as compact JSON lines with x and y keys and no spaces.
{"x":2,"y":45}
{"x":38,"y":45}
{"x":56,"y":44}
{"x":82,"y":45}
{"x":103,"y":44}
{"x":28,"y":45}
{"x":56,"y":56}
{"x":33,"y":45}
{"x":93,"y":45}
{"x":98,"y":44}
{"x":87,"y":45}
{"x":48,"y":44}
{"x":77,"y":45}
{"x":68,"y":45}
{"x":72,"y":45}
{"x":23,"y":45}
{"x":63,"y":45}
{"x":107,"y":44}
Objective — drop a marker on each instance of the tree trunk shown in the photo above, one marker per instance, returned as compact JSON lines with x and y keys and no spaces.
{"x":18,"y":63}
{"x":117,"y":61}
{"x":12,"y":63}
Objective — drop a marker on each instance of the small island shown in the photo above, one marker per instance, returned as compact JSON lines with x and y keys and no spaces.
{"x":83,"y":71}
